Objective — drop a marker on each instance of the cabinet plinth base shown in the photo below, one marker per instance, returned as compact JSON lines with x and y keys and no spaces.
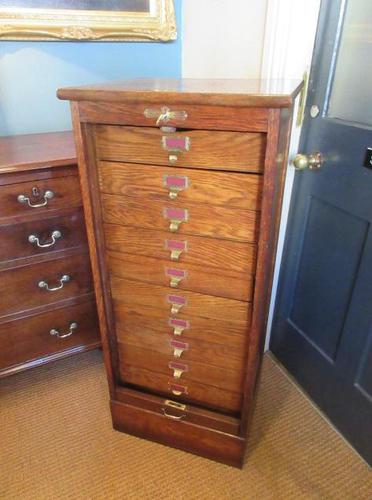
{"x":183,"y":435}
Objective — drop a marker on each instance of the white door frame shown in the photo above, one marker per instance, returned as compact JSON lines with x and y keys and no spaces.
{"x":288,"y":46}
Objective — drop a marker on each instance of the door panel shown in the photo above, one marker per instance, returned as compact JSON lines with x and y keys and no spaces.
{"x":322,"y":326}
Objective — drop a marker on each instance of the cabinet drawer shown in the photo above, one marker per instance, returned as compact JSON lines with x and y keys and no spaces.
{"x":194,"y":250}
{"x":168,"y":409}
{"x":215,"y":376}
{"x":239,"y":151}
{"x":43,"y":195}
{"x":190,"y":303}
{"x":188,"y":350}
{"x":46,"y":235}
{"x":199,"y":279}
{"x":152,"y":321}
{"x":191,"y":391}
{"x":182,"y":218}
{"x":161,"y":183}
{"x":29,"y":338}
{"x":21,"y":289}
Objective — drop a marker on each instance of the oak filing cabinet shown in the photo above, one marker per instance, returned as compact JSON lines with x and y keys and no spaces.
{"x":47,"y":306}
{"x":182,"y":184}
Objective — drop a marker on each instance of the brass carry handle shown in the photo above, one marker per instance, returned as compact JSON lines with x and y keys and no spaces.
{"x":44,"y":284}
{"x":34,"y":239}
{"x":48,"y":195}
{"x":173,"y":417}
{"x":165,"y":114}
{"x":54,"y":332}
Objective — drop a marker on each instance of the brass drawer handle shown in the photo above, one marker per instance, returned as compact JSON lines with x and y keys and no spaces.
{"x":175,"y":184}
{"x":54,"y":332}
{"x":64,"y":279}
{"x":34,"y":239}
{"x":178,"y":369}
{"x":165,"y":115}
{"x":175,"y":276}
{"x":48,"y":195}
{"x":178,"y":390}
{"x":173,"y":417}
{"x":176,"y":248}
{"x":178,"y":348}
{"x":176,"y":217}
{"x":176,"y":302}
{"x":178,"y":325}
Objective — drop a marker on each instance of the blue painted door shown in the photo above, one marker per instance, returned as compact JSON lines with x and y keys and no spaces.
{"x":322,"y":329}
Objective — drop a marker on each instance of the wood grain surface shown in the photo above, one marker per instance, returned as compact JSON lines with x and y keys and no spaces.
{"x":149,"y":183}
{"x":197,"y":304}
{"x":201,"y":279}
{"x":242,"y":152}
{"x":203,"y":220}
{"x":198,"y":250}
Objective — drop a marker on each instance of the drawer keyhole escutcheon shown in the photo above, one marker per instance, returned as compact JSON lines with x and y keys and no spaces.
{"x":45,"y":285}
{"x":56,"y":333}
{"x":34,"y":239}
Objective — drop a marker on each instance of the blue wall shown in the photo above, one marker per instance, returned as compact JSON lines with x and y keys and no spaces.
{"x":30,"y":73}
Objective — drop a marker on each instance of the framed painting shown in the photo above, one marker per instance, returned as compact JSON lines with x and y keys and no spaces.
{"x":90,"y":20}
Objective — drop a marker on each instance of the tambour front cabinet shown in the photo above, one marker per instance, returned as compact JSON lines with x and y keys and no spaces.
{"x":47,"y":307}
{"x":182,"y":184}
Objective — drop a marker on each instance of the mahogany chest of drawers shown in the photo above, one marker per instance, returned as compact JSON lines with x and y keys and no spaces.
{"x":47,"y":308}
{"x":182,"y":185}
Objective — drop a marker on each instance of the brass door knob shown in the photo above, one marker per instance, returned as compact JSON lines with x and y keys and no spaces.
{"x":312,"y":161}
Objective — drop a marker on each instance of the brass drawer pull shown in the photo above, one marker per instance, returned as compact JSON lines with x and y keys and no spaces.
{"x":165,"y":115}
{"x":175,"y":184}
{"x":54,"y":332}
{"x":178,"y":348}
{"x":175,"y":276}
{"x":176,"y":217}
{"x":176,"y":248}
{"x":176,"y":303}
{"x":178,"y":390}
{"x":173,"y":417}
{"x":178,"y":369}
{"x":178,"y":325}
{"x":64,"y":279}
{"x":34,"y":239}
{"x":48,"y":195}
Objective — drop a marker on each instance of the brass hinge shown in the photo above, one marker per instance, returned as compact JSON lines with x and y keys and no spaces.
{"x":303,"y":96}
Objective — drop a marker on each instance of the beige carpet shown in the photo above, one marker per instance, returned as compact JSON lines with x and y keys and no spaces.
{"x":57,"y":443}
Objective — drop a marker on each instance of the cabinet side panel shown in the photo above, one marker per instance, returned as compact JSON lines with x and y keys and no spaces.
{"x":274,"y":174}
{"x":92,"y":209}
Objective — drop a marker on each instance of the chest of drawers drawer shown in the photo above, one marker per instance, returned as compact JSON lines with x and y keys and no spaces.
{"x":36,"y":285}
{"x":39,"y":196}
{"x":30,"y":339}
{"x":184,"y":216}
{"x":42,"y":236}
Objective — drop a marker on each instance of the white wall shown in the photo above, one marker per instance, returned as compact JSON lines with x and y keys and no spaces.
{"x":223,"y":38}
{"x":288,"y":48}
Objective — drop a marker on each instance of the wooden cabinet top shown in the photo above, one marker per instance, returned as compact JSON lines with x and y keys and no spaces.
{"x":36,"y":151}
{"x":224,"y":92}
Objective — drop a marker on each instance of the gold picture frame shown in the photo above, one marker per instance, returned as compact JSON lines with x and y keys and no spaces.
{"x":155,"y":22}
